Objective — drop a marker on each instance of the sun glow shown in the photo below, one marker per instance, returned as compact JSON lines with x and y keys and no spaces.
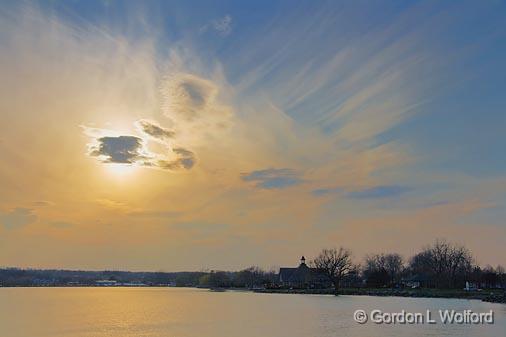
{"x":120,"y":171}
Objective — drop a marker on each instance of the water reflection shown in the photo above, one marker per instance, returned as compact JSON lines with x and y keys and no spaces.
{"x":181,"y":312}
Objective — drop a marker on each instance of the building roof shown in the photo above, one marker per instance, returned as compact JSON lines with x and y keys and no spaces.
{"x":301,"y":274}
{"x":285,"y":273}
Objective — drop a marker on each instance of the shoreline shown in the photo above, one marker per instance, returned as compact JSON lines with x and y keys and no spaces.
{"x":492,"y":296}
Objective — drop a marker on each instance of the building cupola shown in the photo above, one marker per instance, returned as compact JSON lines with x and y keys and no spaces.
{"x":302,"y":260}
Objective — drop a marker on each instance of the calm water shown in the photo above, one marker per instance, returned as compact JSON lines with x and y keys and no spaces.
{"x":180,"y":312}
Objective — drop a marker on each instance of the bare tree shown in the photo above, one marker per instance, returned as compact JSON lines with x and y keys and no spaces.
{"x":375,"y":272}
{"x":394,"y":265}
{"x":501,"y":275}
{"x":459,"y":261}
{"x":335,"y":264}
{"x":444,"y":262}
{"x":382,"y":269}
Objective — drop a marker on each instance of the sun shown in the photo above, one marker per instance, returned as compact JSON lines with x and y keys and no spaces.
{"x":120,"y":171}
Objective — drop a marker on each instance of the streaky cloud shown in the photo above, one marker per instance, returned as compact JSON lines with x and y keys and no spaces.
{"x":155,"y":214}
{"x":18,"y":217}
{"x":154,"y":130}
{"x":326,"y":191}
{"x":387,"y":191}
{"x":272,"y":178}
{"x":186,"y":160}
{"x":42,"y":203}
{"x":187,"y":96}
{"x":222,"y":26}
{"x":61,"y":224}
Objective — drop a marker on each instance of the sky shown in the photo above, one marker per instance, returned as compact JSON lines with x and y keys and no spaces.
{"x":190,"y":135}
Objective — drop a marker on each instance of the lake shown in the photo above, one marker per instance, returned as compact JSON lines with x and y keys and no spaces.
{"x":188,"y":312}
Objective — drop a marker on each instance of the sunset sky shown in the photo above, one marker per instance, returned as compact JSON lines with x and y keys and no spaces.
{"x":181,"y":135}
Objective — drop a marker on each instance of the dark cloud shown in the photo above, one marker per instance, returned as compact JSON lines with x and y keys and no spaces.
{"x":187,"y":163}
{"x":17,"y":217}
{"x":154,"y":130}
{"x":272,"y":178}
{"x":185,"y":160}
{"x":377,"y":192}
{"x":196,"y":93}
{"x":183,"y":152}
{"x":189,"y":95}
{"x":121,"y":149}
{"x":126,"y":149}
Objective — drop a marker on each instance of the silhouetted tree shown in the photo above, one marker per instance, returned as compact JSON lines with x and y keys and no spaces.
{"x":489,"y":277}
{"x":382,"y":269}
{"x":218,"y":279}
{"x":252,"y":277}
{"x":444,"y":262}
{"x":394,"y":265}
{"x":335,"y":264}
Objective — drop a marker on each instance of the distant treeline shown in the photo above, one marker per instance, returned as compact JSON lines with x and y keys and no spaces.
{"x":38,"y":277}
{"x":440,"y":265}
{"x":251,"y":277}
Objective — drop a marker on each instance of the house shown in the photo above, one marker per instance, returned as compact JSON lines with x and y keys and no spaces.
{"x":302,"y":277}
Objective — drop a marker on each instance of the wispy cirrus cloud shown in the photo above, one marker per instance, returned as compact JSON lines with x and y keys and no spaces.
{"x":192,"y":104}
{"x":273,"y":178}
{"x":164,"y":214}
{"x":322,"y":115}
{"x":387,"y":191}
{"x":223,"y":26}
{"x":187,"y":96}
{"x":42,"y":203}
{"x":327,"y":191}
{"x":154,"y":130}
{"x":18,"y":217}
{"x":61,"y":224}
{"x":185,"y":159}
